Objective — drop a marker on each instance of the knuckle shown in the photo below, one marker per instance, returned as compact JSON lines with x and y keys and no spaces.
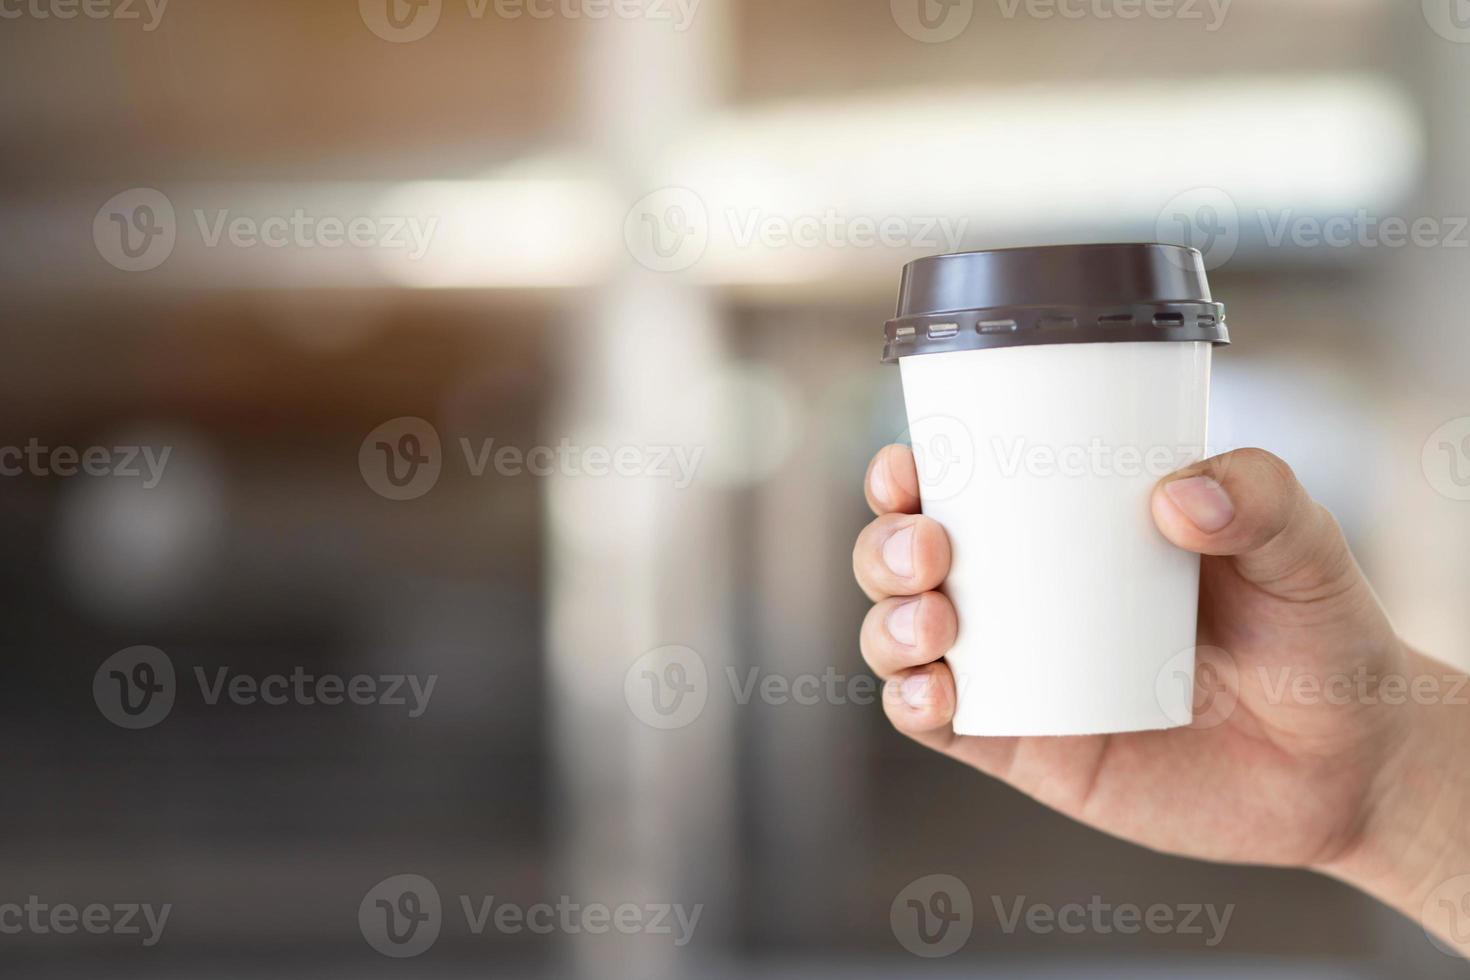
{"x":1328,"y":521}
{"x":1263,"y":461}
{"x":1279,"y":468}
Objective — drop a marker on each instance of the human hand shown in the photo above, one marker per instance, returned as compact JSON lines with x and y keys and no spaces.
{"x":1365,"y":787}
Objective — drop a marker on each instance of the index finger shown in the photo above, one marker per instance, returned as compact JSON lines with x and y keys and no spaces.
{"x":892,"y":482}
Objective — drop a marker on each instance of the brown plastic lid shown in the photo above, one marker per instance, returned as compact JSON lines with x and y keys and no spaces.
{"x":1054,"y":294}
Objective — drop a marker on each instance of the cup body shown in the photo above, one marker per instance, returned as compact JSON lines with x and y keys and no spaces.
{"x":1076,"y":616}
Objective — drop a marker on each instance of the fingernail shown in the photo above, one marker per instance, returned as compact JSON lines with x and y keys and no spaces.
{"x":898,"y":552}
{"x":1203,"y":501}
{"x":915,"y":690}
{"x":879,"y":481}
{"x":901,"y":622}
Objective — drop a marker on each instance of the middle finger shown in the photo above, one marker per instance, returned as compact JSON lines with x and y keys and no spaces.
{"x":900,"y":554}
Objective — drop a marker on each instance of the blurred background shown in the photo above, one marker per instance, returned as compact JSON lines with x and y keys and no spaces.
{"x":295,"y":274}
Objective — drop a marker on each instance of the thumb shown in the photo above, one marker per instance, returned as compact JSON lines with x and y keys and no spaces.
{"x":1248,"y":504}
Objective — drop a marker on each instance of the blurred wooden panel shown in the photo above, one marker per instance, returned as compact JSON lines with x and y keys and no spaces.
{"x":229,"y":89}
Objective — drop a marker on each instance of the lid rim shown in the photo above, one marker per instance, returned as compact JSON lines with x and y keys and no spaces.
{"x":1053,"y":294}
{"x":1026,"y":326}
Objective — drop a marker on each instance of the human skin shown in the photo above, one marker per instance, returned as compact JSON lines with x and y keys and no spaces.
{"x":1329,"y":744}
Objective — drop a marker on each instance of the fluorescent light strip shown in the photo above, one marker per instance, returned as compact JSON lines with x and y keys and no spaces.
{"x":1010,"y":164}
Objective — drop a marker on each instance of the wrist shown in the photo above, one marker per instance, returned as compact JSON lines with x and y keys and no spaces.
{"x":1412,"y":850}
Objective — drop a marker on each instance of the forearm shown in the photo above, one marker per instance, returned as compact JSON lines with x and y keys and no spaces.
{"x":1413,"y":852}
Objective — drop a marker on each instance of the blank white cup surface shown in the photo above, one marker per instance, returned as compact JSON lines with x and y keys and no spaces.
{"x":1076,"y":616}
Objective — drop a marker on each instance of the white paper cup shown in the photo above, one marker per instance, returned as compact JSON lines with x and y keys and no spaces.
{"x":1038,"y":448}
